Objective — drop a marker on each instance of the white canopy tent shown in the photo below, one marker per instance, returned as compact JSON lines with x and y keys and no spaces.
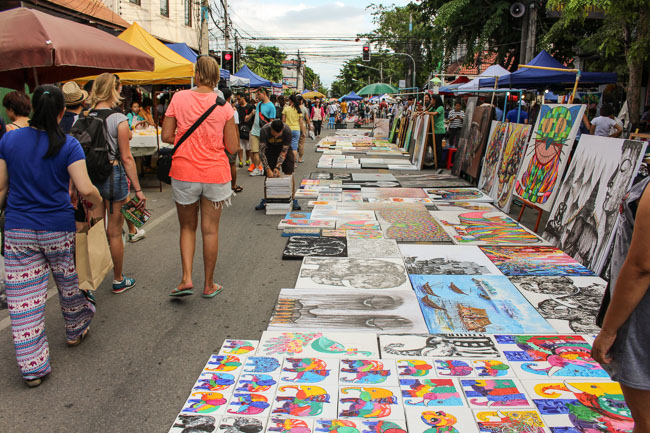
{"x":239,"y":81}
{"x":492,"y":71}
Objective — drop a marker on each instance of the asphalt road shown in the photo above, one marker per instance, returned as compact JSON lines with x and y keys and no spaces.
{"x":145,"y":350}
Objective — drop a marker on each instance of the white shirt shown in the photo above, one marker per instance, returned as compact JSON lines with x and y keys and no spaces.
{"x":603,"y":125}
{"x":236,"y":116}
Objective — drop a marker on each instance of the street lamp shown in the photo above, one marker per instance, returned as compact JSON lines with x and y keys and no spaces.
{"x":381,"y":71}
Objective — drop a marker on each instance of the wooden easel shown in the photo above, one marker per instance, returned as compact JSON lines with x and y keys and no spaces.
{"x":524,"y":205}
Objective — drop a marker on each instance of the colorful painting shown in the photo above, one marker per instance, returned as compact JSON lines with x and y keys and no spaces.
{"x":467,"y":303}
{"x":446,"y":260}
{"x":301,"y":231}
{"x":249,"y":382}
{"x":494,"y":393}
{"x":297,"y":215}
{"x":477,"y":139}
{"x":393,"y":192}
{"x":373,"y":248}
{"x":472,"y":368}
{"x":493,"y":153}
{"x":241,"y":424}
{"x":324,"y":204}
{"x":305,"y":401}
{"x":223,"y":363}
{"x":557,"y":356}
{"x":334,"y":233}
{"x":316,"y":344}
{"x":324,"y":224}
{"x":205,"y":402}
{"x":340,"y":272}
{"x":569,"y":304}
{"x":342,"y":214}
{"x":470,"y":106}
{"x":360,"y":426}
{"x":457,"y":194}
{"x":548,"y":152}
{"x":357,"y":225}
{"x":263,"y":364}
{"x":534,"y":261}
{"x":415,"y":368}
{"x":238,"y":347}
{"x":581,"y":406}
{"x":511,"y":421}
{"x":278,"y":424}
{"x":425,"y":201}
{"x":370,"y":402}
{"x":486,"y":228}
{"x":398,"y":346}
{"x":407,"y":225}
{"x":310,"y":371}
{"x":368,"y":372}
{"x":440,"y":420}
{"x":298,"y":247}
{"x":198,"y":423}
{"x":461,"y":206}
{"x":319,"y":175}
{"x":214,"y":381}
{"x":352,"y":310}
{"x":364,"y":234}
{"x":430,"y":180}
{"x":430,"y":392}
{"x":513,"y":154}
{"x":247,"y":403}
{"x":583,"y":219}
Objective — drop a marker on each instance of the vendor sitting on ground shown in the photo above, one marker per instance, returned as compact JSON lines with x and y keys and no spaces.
{"x":275,"y":145}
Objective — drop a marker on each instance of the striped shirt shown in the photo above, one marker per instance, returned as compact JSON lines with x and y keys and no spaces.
{"x":458,"y":121}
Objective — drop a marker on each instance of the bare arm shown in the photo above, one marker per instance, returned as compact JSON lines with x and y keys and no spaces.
{"x":168,"y":133}
{"x":4,"y":182}
{"x":592,"y":129}
{"x":631,"y":285}
{"x":79,"y":176}
{"x":249,"y":116}
{"x":230,"y":136}
{"x":123,"y":134}
{"x":618,"y":132}
{"x":265,"y":162}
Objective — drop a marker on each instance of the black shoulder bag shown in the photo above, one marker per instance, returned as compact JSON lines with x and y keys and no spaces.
{"x":165,"y":155}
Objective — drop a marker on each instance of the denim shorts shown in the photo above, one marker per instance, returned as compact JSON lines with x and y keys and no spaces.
{"x":295,"y":138}
{"x":186,"y":193}
{"x":120,"y":185}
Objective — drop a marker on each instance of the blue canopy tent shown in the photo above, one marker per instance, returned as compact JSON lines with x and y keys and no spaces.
{"x":256,"y":80}
{"x":352,"y":96}
{"x":532,"y":77}
{"x":225,"y":74}
{"x":184,"y":50}
{"x":276,"y":85}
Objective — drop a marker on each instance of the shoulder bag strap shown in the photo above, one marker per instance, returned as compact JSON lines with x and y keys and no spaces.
{"x":220,"y":102}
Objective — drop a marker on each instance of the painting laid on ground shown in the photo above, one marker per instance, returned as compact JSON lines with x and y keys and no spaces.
{"x":513,"y":154}
{"x":464,"y":134}
{"x":410,"y":225}
{"x":457,"y":194}
{"x":583,"y":220}
{"x":464,"y":303}
{"x":493,"y":152}
{"x":429,"y":180}
{"x":446,"y":260}
{"x":458,"y":345}
{"x":534,"y":260}
{"x":354,"y":310}
{"x":476,"y":140}
{"x":317,"y":344}
{"x":484,"y":228}
{"x":569,"y":304}
{"x":550,"y":145}
{"x":324,"y":246}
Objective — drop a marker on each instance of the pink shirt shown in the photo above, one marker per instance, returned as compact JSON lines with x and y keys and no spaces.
{"x":202,"y":157}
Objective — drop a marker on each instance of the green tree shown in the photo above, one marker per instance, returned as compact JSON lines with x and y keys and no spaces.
{"x":265,"y":61}
{"x":622,"y":36}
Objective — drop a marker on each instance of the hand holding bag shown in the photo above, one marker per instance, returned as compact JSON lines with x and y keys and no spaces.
{"x":93,"y":256}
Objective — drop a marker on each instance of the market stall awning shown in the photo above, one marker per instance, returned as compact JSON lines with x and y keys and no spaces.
{"x":377,"y":89}
{"x":239,"y":81}
{"x":529,"y":78}
{"x":37,"y":47}
{"x":184,"y":50}
{"x":491,"y":72}
{"x":351,"y":97}
{"x":311,"y":94}
{"x":255,"y":80}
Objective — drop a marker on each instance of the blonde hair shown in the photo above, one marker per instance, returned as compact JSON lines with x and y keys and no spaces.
{"x":207,"y":71}
{"x":104,"y":90}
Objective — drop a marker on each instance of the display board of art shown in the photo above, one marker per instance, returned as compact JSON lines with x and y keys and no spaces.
{"x":485,"y":228}
{"x":327,"y":273}
{"x":457,"y":194}
{"x":583,"y":220}
{"x":464,"y":135}
{"x":349,"y":310}
{"x":457,"y":345}
{"x":408,"y":225}
{"x":569,"y":304}
{"x":446,"y":260}
{"x":317,"y":344}
{"x":547,"y":154}
{"x":471,"y":303}
{"x":510,"y":163}
{"x":324,"y":246}
{"x":430,"y":180}
{"x":420,"y":142}
{"x":534,"y":261}
{"x":476,"y":140}
{"x":493,"y":152}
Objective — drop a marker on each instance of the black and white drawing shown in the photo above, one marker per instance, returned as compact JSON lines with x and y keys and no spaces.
{"x":373,"y":248}
{"x":301,"y":246}
{"x":241,"y":424}
{"x":320,"y":175}
{"x":447,"y":345}
{"x":194,"y":423}
{"x":446,"y":260}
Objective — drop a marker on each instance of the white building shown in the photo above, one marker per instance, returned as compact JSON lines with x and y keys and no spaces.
{"x":167,"y":20}
{"x":291,"y":78}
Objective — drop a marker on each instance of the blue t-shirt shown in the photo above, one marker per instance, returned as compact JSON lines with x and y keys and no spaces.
{"x":38,"y":188}
{"x":512,"y":115}
{"x":268,"y":111}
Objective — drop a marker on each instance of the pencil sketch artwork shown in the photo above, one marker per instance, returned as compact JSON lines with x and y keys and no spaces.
{"x":583,"y":218}
{"x":373,"y":248}
{"x":413,"y":180}
{"x":493,"y":152}
{"x":569,"y":304}
{"x":513,"y":154}
{"x":464,"y":134}
{"x":339,"y":272}
{"x":458,"y":345}
{"x":476,"y":140}
{"x":300,"y":246}
{"x":446,"y":260}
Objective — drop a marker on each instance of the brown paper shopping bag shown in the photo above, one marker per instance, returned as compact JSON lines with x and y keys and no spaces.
{"x":93,"y":256}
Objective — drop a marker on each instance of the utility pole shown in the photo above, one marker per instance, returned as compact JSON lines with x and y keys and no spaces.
{"x":226,"y":25}
{"x":381,"y":72}
{"x":532,"y":32}
{"x":298,"y":75}
{"x":235,"y":54}
{"x":204,"y":42}
{"x":524,"y":41}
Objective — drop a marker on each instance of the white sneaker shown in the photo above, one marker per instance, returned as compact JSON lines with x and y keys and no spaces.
{"x":138,"y":235}
{"x":256,"y":172}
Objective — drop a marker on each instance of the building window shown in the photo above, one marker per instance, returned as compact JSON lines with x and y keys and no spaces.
{"x":164,"y":8}
{"x":188,"y":12}
{"x":137,"y":2}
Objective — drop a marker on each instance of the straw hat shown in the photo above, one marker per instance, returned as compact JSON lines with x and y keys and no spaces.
{"x":73,"y":94}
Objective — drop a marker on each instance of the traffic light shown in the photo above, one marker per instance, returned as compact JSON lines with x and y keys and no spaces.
{"x":227,"y":61}
{"x":366,"y":53}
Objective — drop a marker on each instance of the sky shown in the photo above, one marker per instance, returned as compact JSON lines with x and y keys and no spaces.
{"x":311,"y":19}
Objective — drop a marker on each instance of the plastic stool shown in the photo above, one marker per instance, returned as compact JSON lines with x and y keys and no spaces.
{"x":450,"y":157}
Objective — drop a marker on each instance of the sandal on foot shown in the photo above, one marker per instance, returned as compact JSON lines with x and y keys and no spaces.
{"x":215,"y":293}
{"x":180,"y":293}
{"x":82,"y":337}
{"x":238,"y":188}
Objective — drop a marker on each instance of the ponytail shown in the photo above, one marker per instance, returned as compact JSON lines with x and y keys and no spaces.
{"x":295,"y":103}
{"x":48,"y":103}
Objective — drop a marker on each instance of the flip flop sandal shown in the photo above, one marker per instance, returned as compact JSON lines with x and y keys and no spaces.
{"x":82,"y":337}
{"x":238,"y":188}
{"x":215,"y":293}
{"x":180,"y":293}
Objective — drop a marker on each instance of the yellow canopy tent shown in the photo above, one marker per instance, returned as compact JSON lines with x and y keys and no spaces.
{"x":169,"y":67}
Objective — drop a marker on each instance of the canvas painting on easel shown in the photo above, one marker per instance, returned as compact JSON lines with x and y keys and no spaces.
{"x":493,"y":153}
{"x":513,"y":154}
{"x":464,"y":135}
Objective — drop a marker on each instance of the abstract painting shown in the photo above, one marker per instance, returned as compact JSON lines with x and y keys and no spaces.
{"x":494,"y":393}
{"x":370,"y":402}
{"x":302,"y":246}
{"x":493,"y":152}
{"x":468,"y":303}
{"x":393,"y":192}
{"x":534,"y":260}
{"x":409,"y":225}
{"x":569,"y":304}
{"x":373,"y":372}
{"x":324,"y":224}
{"x":472,"y":368}
{"x":446,"y":260}
{"x":364,"y":234}
{"x":305,"y":401}
{"x":317,"y":344}
{"x":352,"y":425}
{"x":461,"y":206}
{"x":278,"y":424}
{"x":297,"y":215}
{"x":257,"y":383}
{"x":238,"y":347}
{"x":581,"y":406}
{"x":430,"y":392}
{"x":373,"y":248}
{"x":470,"y":106}
{"x":301,"y":231}
{"x":478,"y":134}
{"x":485,"y":228}
{"x":583,"y":219}
{"x":263,"y":365}
{"x":557,"y":356}
{"x":440,"y":420}
{"x":338,"y":272}
{"x":513,"y":154}
{"x":353,"y":310}
{"x":357,"y":225}
{"x":198,"y":423}
{"x":225,"y":363}
{"x":342,"y":214}
{"x":511,"y":421}
{"x":398,"y":346}
{"x":457,"y":194}
{"x":300,"y":371}
{"x":241,"y":424}
{"x":544,"y":161}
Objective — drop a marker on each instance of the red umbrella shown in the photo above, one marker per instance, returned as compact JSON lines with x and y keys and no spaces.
{"x":37,"y":48}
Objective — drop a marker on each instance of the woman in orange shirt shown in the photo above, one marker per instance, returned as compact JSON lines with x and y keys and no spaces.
{"x":200,"y":170}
